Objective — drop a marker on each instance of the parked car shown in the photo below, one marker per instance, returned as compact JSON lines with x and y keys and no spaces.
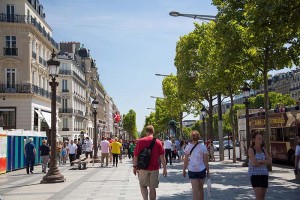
{"x":216,"y":145}
{"x":228,"y":144}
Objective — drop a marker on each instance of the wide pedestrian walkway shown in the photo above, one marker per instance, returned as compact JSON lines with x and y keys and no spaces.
{"x":229,"y":181}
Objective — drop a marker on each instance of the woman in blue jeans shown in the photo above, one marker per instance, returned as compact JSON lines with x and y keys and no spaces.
{"x":196,"y":161}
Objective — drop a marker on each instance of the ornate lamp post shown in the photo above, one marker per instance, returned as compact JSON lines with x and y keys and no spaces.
{"x":95,"y":107}
{"x":246,"y":94}
{"x":203,"y":114}
{"x":53,"y":175}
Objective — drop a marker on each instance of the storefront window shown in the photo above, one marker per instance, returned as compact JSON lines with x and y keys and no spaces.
{"x":8,"y":118}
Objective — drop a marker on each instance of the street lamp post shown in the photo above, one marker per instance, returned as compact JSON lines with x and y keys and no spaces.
{"x":203,"y":114}
{"x":246,"y":94}
{"x":220,"y":126}
{"x":53,"y":175}
{"x":95,"y":107}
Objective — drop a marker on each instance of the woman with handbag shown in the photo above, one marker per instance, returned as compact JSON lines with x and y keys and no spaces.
{"x":196,"y":161}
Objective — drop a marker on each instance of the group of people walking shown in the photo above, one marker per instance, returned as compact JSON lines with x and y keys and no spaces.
{"x":195,"y":158}
{"x":196,"y":164}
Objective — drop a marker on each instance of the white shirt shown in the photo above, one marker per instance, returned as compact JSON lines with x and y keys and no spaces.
{"x":168,"y":144}
{"x":104,"y":146}
{"x":196,"y":163}
{"x":72,"y":148}
{"x":88,"y":145}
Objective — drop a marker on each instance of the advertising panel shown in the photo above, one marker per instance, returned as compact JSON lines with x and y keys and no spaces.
{"x":3,"y":148}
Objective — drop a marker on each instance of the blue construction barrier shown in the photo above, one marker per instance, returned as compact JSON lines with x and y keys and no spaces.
{"x":16,"y":141}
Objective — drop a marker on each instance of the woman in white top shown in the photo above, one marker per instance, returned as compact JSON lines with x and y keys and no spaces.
{"x":196,"y":161}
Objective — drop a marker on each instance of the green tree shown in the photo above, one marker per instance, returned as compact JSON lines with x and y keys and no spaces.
{"x":196,"y":69}
{"x":129,"y":124}
{"x":270,"y":34}
{"x":174,"y":103}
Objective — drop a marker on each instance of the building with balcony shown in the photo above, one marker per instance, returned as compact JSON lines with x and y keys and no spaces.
{"x":26,"y":43}
{"x":79,"y":86}
{"x":72,"y":89}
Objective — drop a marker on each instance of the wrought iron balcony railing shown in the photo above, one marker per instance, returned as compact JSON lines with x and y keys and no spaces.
{"x":10,"y":51}
{"x":27,"y":20}
{"x":27,"y":88}
{"x":65,"y":90}
{"x":65,"y":110}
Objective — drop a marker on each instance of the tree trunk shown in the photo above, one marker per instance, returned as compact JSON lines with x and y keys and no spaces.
{"x":266,"y":99}
{"x":210,"y":119}
{"x":233,"y":128}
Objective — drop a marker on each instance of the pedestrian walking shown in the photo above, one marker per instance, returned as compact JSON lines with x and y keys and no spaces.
{"x":105,"y":151}
{"x":297,"y":158}
{"x":45,"y":153}
{"x":168,"y":150}
{"x":131,"y":149}
{"x":79,"y":148}
{"x":58,"y":152}
{"x":121,"y":151}
{"x":181,"y":150}
{"x":116,"y":150}
{"x":149,"y":177}
{"x":72,"y":150}
{"x":29,"y":151}
{"x":258,"y":161}
{"x":88,"y":147}
{"x":196,"y":161}
{"x":64,"y":153}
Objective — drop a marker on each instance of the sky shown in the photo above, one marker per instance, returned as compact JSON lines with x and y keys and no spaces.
{"x":131,"y":41}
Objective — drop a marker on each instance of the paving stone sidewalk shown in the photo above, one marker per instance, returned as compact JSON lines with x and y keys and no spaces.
{"x":229,"y":181}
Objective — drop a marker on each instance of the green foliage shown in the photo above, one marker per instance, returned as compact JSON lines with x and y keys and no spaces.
{"x":274,"y":98}
{"x":186,"y":132}
{"x":170,"y":90}
{"x":129,"y":124}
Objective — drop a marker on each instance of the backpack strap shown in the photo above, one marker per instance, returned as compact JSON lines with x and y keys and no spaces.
{"x":194,"y":148}
{"x":152,"y":143}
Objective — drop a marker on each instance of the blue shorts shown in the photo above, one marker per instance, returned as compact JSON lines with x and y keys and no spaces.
{"x":197,"y":175}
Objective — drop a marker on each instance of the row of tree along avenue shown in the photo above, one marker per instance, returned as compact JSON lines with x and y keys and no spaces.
{"x":246,"y":41}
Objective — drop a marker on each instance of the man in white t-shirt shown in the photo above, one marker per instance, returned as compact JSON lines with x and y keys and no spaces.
{"x":168,"y":150}
{"x":72,"y":151}
{"x":88,"y":147}
{"x":104,"y":151}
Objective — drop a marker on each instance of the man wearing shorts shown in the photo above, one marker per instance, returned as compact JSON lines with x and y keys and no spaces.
{"x":149,"y":177}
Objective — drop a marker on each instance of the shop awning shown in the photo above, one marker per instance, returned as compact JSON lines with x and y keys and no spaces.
{"x":39,"y":114}
{"x":47,"y":117}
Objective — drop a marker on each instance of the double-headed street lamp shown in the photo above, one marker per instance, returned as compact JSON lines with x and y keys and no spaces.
{"x":246,"y":94}
{"x":220,"y":127}
{"x":95,"y":107}
{"x":203,"y":114}
{"x":53,"y":175}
